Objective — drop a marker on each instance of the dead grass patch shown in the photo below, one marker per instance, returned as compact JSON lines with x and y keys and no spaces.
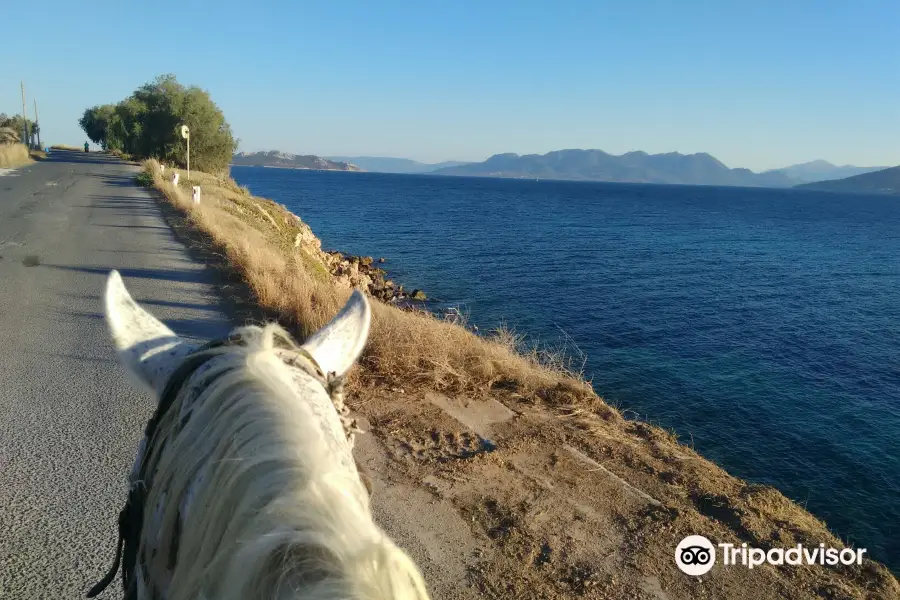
{"x":13,"y":155}
{"x":123,"y":155}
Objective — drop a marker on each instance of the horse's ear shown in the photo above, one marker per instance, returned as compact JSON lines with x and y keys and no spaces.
{"x":337,"y":345}
{"x":147,"y":348}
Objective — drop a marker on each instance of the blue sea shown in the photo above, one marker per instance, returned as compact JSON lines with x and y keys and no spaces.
{"x":762,"y":324}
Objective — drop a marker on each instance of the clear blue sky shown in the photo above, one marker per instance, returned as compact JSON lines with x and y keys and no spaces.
{"x":756,"y":84}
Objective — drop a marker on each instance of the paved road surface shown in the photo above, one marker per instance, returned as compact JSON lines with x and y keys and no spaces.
{"x":69,"y":419}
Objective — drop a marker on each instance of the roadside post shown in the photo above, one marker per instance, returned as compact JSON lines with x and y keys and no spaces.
{"x":186,"y":134}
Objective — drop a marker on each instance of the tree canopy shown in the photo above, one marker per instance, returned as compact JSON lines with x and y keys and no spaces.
{"x":147,"y":124}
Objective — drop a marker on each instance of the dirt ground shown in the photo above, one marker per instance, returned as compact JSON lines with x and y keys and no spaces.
{"x":503,"y":497}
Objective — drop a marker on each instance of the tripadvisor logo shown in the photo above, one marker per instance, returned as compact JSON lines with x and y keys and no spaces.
{"x":695,"y":555}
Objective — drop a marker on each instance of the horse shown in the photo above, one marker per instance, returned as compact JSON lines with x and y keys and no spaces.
{"x":244,"y":485}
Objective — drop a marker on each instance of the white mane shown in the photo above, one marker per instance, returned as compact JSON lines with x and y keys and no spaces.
{"x":254,"y":493}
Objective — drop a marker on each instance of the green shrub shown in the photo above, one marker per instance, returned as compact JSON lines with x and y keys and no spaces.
{"x":144,"y":178}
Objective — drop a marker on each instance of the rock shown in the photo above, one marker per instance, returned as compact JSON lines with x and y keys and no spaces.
{"x":358,"y":272}
{"x":364,"y":283}
{"x":306,"y":237}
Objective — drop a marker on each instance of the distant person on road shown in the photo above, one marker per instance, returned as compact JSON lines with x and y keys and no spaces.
{"x":85,"y":146}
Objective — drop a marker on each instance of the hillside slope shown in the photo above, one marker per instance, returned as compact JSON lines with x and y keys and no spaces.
{"x":886,"y":181}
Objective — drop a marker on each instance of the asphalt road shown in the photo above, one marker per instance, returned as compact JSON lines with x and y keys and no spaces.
{"x":70,"y":420}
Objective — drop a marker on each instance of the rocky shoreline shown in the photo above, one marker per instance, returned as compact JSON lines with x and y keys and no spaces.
{"x":352,"y":271}
{"x":361,"y":272}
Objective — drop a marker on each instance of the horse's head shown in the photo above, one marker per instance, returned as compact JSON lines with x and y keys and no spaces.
{"x":247,"y":467}
{"x":151,"y":352}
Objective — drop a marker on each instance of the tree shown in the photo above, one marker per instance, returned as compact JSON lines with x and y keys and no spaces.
{"x":212,"y":143}
{"x":127,"y":126}
{"x":96,"y":122}
{"x":147,"y":124}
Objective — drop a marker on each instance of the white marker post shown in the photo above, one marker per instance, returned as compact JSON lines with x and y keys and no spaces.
{"x":186,"y":134}
{"x":175,"y":179}
{"x":195,"y":195}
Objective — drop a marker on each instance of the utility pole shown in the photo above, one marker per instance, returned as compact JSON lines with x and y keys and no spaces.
{"x":24,"y":116}
{"x":36,"y":126}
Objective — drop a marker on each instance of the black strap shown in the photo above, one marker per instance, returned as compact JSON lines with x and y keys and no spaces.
{"x":111,"y":574}
{"x":131,"y":517}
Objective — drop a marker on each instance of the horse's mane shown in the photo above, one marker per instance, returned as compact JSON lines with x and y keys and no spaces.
{"x":266,"y":510}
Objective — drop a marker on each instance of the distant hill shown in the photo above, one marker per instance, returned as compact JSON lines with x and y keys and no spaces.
{"x":384,"y":164}
{"x":886,"y":181}
{"x":634,"y":167}
{"x":285,"y":160}
{"x":822,"y":170}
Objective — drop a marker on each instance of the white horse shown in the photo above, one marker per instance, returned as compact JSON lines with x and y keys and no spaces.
{"x":245,"y":486}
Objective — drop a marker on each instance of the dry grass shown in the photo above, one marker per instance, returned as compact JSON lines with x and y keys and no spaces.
{"x":123,"y":155}
{"x":67,"y":147}
{"x":37,"y":154}
{"x":406,"y":348}
{"x":13,"y":155}
{"x":8,"y":135}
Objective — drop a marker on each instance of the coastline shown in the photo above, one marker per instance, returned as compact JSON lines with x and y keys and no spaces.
{"x":551,"y":459}
{"x":356,"y":170}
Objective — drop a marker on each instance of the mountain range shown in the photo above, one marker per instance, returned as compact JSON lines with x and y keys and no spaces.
{"x":597,"y":165}
{"x":385,"y":164}
{"x":285,"y":160}
{"x":633,"y":167}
